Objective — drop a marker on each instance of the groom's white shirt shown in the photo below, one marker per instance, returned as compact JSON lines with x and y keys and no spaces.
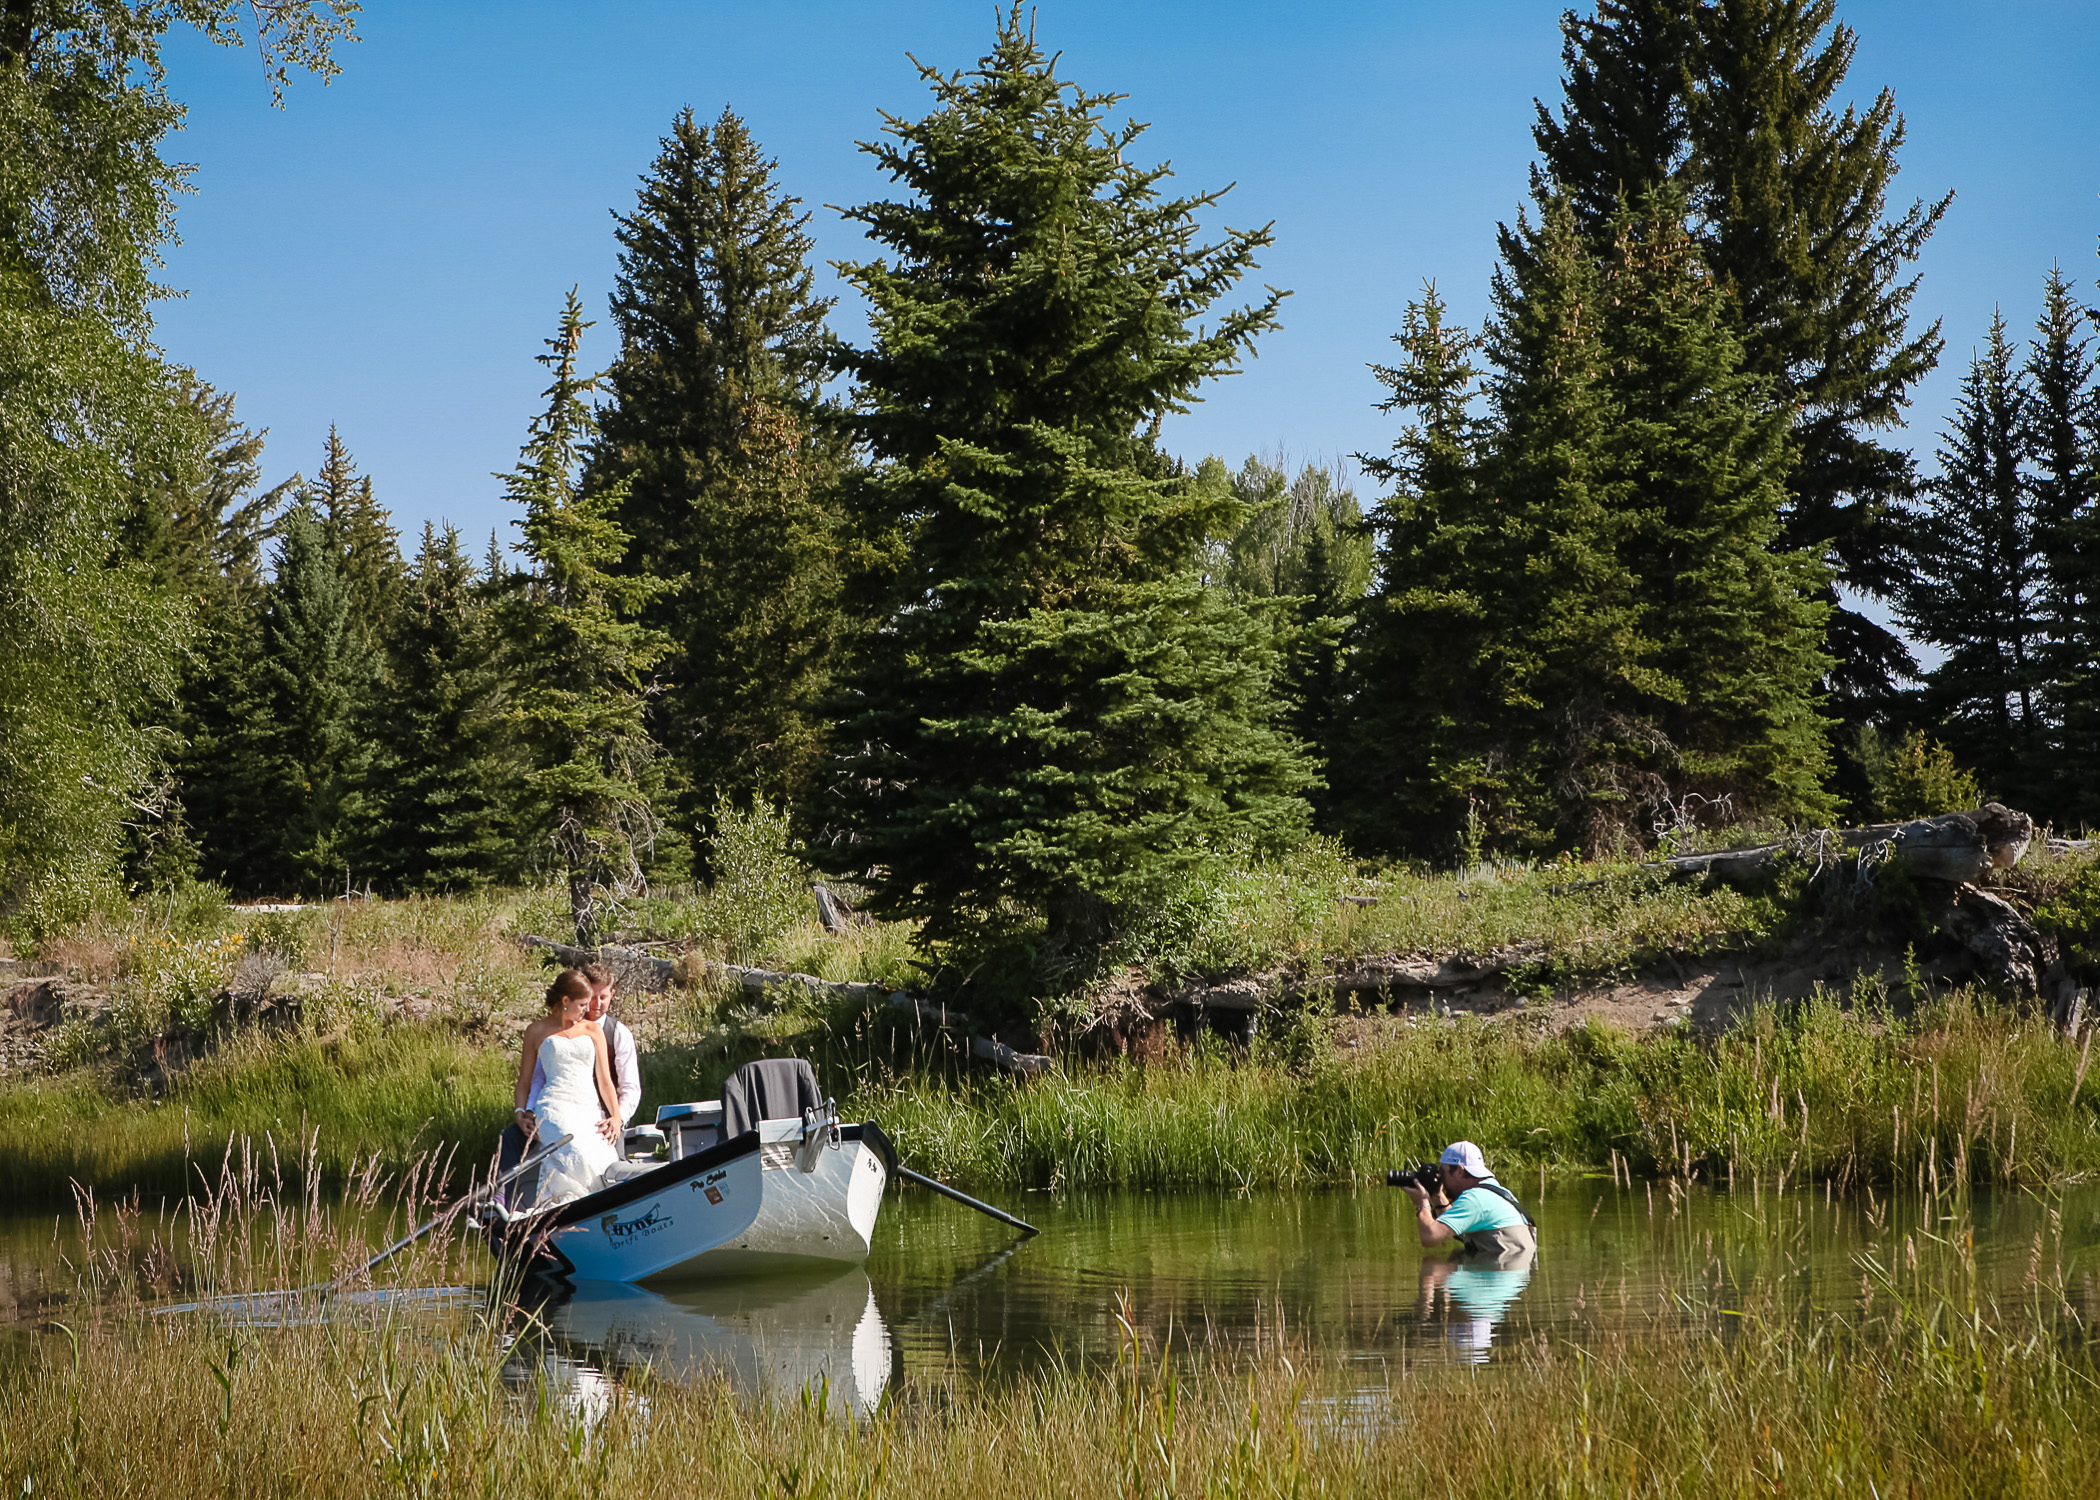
{"x":627,"y":1067}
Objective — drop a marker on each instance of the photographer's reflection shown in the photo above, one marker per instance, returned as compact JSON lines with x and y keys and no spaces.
{"x":1478,"y":1291}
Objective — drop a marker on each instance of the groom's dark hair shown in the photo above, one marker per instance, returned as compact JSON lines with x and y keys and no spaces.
{"x":569,"y":984}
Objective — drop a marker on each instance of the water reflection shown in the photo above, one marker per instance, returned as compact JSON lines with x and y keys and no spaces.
{"x":776,"y":1335}
{"x":1476,"y":1293}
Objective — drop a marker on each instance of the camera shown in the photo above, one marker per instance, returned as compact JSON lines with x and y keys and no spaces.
{"x":1427,"y":1178}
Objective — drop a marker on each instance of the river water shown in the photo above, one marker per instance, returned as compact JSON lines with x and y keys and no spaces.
{"x":949,"y":1296}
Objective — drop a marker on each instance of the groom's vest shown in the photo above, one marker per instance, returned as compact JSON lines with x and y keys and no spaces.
{"x":612,"y":1052}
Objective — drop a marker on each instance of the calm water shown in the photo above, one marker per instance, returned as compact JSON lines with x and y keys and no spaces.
{"x":949,"y":1295}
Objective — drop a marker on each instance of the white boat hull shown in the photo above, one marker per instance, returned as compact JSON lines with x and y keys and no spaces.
{"x":778,"y":1196}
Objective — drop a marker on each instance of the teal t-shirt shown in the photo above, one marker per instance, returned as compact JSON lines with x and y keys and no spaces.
{"x":1476,"y":1208}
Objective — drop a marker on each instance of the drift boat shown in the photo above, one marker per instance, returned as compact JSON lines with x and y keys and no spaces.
{"x":800,"y":1190}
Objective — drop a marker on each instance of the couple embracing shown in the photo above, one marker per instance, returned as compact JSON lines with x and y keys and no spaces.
{"x":579,"y":1076}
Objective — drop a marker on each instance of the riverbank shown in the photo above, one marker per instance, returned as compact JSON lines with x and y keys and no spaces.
{"x":1644,"y":1026}
{"x":1960,"y":1088}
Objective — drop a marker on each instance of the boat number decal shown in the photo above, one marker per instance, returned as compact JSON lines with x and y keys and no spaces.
{"x":709,"y":1187}
{"x":621,"y":1232}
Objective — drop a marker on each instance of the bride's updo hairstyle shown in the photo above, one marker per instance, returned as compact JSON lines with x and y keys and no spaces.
{"x":569,"y":984}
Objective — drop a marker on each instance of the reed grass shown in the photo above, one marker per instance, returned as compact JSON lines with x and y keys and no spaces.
{"x":1852,"y":1093}
{"x":1961,"y":1089}
{"x":1918,"y":1385}
{"x":388,"y":1095}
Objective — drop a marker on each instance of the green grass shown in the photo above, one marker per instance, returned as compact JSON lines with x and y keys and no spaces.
{"x":395,"y":1094}
{"x":1961,"y":1090}
{"x":1918,"y":1386}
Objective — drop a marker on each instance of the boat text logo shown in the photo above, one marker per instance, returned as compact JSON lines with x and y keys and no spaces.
{"x":621,"y":1231}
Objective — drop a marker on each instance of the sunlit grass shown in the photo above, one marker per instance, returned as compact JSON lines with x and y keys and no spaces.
{"x":1917,"y":1385}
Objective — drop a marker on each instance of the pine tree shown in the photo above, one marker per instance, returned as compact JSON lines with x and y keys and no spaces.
{"x":1975,"y":586}
{"x":578,"y":654}
{"x":1701,"y":449}
{"x":1304,"y":542}
{"x":200,"y":527}
{"x":1581,"y":625}
{"x":1731,"y":101}
{"x":1057,"y":715}
{"x":2065,"y":446}
{"x":1424,"y":706}
{"x":716,"y":425}
{"x":444,"y":757}
{"x":281,"y":814}
{"x":363,"y":536}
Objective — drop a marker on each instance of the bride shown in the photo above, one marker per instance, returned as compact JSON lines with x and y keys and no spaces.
{"x":577,"y":1099}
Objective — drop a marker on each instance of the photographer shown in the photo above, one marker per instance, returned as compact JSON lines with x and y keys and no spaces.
{"x":1472,"y":1208}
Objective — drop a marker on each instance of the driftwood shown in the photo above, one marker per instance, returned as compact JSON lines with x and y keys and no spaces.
{"x":1955,"y":847}
{"x":1370,"y":977}
{"x":647,"y":972}
{"x":2004,"y":943}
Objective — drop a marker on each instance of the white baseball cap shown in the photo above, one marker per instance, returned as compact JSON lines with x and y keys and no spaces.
{"x":1465,"y":1154}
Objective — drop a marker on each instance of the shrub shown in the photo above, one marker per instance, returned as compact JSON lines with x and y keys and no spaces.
{"x":1915,"y":777}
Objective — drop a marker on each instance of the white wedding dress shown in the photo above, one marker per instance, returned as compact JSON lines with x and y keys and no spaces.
{"x":569,"y":1105}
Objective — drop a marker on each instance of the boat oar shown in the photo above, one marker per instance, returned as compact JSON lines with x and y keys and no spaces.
{"x":966,"y":1200}
{"x":406,"y":1240}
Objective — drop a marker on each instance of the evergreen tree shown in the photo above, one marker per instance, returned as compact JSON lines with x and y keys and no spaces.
{"x":1975,"y":587}
{"x":1581,"y":623}
{"x":1730,"y":100}
{"x":1304,"y":543}
{"x":715,"y":424}
{"x":282,"y":813}
{"x":198,"y":524}
{"x":363,"y":536}
{"x":578,"y":654}
{"x":1057,"y":715}
{"x":1428,"y":735}
{"x":444,"y":756}
{"x":2065,"y":444}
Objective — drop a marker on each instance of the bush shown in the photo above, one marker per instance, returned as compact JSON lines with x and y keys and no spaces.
{"x":1915,"y":777}
{"x":761,"y":891}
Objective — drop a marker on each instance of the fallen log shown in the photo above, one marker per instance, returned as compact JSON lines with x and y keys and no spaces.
{"x":1956,"y":847}
{"x":1374,"y":976}
{"x":646,"y":972}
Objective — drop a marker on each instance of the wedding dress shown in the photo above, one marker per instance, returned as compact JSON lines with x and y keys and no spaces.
{"x":569,"y":1105}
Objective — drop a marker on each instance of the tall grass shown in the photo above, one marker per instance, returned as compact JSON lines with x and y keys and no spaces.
{"x":1919,"y":1386}
{"x":1960,"y":1090}
{"x":391,"y":1094}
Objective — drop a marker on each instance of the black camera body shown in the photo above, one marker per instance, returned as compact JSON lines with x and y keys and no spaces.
{"x":1427,"y":1178}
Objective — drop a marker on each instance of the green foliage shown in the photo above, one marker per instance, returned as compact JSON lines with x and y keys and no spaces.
{"x":2072,"y":916}
{"x":2064,"y":446}
{"x":1582,"y":626}
{"x":445,"y":759}
{"x":1057,"y":714}
{"x":1862,"y":1096}
{"x":717,"y":428}
{"x":293,"y":936}
{"x":579,"y":654}
{"x":1305,"y":543}
{"x":760,"y":892}
{"x":88,"y":412}
{"x":1788,"y":200}
{"x":1914,"y":777}
{"x":1975,"y":590}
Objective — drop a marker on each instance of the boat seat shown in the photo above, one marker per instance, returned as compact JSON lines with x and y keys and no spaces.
{"x":773,"y":1088}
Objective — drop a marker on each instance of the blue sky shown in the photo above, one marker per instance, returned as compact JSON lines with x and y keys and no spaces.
{"x":385,"y":254}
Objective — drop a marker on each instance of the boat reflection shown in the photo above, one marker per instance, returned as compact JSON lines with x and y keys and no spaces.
{"x":775,"y":1335}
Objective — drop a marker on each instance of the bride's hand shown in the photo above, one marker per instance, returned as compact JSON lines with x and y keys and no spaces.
{"x":610,"y":1129}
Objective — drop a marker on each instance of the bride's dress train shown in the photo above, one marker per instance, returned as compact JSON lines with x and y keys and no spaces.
{"x":569,"y":1106}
